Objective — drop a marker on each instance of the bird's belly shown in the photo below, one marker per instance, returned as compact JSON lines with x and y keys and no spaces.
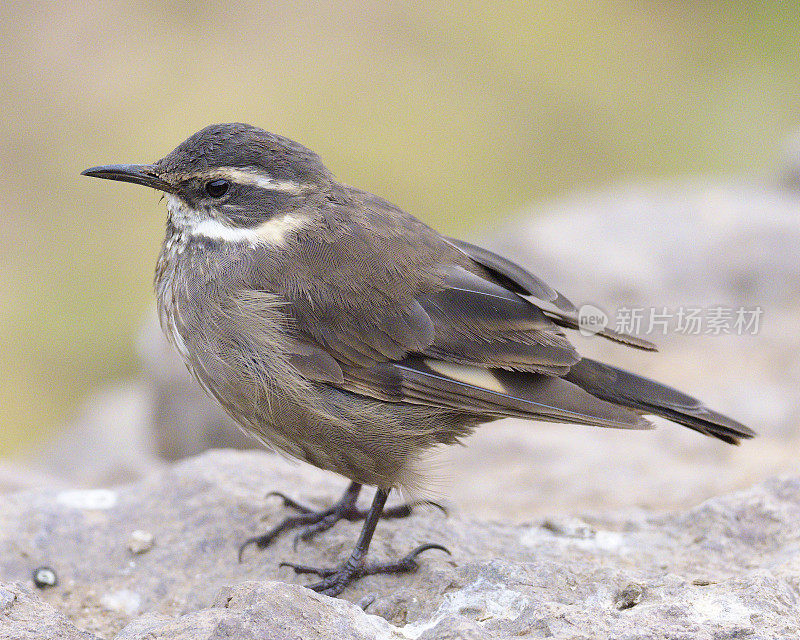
{"x":314,"y":422}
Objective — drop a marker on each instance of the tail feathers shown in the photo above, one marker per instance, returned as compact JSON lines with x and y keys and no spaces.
{"x":647,"y":396}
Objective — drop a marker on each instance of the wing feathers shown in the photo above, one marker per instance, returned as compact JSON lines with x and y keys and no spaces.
{"x":411,"y":329}
{"x":479,"y":322}
{"x":570,"y":321}
{"x":490,"y":392}
{"x":560,"y":310}
{"x":451,"y":329}
{"x":512,"y":276}
{"x":514,"y":393}
{"x":462,"y":317}
{"x":466,"y":297}
{"x":314,"y":363}
{"x":526,"y":353}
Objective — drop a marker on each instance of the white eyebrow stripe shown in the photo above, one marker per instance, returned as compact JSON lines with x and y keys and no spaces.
{"x":256,"y":178}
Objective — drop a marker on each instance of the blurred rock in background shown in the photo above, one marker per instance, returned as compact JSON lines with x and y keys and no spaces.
{"x":694,"y":243}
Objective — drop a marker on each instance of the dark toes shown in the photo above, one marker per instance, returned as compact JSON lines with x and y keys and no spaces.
{"x":309,"y":532}
{"x":409,"y":562}
{"x":314,"y":521}
{"x":330,"y":588}
{"x":289,"y":502}
{"x":334,"y":581}
{"x":256,"y":540}
{"x":303,"y":569}
{"x":425,"y":547}
{"x":265,"y":539}
{"x":296,"y":541}
{"x":406,"y":564}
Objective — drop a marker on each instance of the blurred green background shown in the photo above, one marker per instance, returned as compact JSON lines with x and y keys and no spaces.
{"x":459,"y":112}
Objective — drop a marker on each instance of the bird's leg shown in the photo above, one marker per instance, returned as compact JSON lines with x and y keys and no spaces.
{"x":334,"y":580}
{"x":305,"y":517}
{"x":316,"y":521}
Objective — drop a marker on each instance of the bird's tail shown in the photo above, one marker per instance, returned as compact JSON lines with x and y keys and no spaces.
{"x":647,"y":396}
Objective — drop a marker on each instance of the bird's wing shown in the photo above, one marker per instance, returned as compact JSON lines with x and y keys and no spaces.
{"x":440,"y":332}
{"x":554,"y":304}
{"x":487,"y":392}
{"x":458,"y":316}
{"x":479,"y":322}
{"x":648,"y":396}
{"x":513,"y":277}
{"x":442,"y":376}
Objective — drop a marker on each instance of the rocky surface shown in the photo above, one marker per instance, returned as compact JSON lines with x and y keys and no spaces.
{"x":25,"y":616}
{"x":680,"y":242}
{"x":728,"y":567}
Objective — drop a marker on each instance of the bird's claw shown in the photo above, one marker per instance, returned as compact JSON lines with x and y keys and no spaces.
{"x":315,"y":522}
{"x":335,"y":580}
{"x":289,"y":502}
{"x":301,"y":569}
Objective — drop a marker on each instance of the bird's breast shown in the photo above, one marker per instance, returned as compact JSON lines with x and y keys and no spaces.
{"x":170,"y":287}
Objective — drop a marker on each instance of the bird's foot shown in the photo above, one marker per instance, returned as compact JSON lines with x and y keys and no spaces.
{"x":335,"y":580}
{"x":314,"y":522}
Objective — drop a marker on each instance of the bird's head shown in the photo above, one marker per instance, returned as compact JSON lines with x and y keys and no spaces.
{"x":229,"y":179}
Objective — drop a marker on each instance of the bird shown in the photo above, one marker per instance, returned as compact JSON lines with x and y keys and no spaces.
{"x":342,"y":331}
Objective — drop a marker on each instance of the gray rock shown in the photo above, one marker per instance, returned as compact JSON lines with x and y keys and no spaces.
{"x":16,"y":477}
{"x":140,"y":541}
{"x":727,"y":567}
{"x":23,"y":616}
{"x":267,"y":609}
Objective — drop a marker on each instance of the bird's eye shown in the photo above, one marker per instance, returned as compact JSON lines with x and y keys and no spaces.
{"x":217,"y":188}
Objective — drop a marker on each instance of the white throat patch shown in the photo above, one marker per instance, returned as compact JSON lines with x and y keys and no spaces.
{"x":193,"y":222}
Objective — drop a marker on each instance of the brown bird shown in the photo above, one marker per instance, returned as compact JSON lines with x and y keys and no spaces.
{"x":343,"y":331}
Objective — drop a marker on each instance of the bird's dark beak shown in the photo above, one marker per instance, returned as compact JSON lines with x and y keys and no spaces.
{"x":143,"y":174}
